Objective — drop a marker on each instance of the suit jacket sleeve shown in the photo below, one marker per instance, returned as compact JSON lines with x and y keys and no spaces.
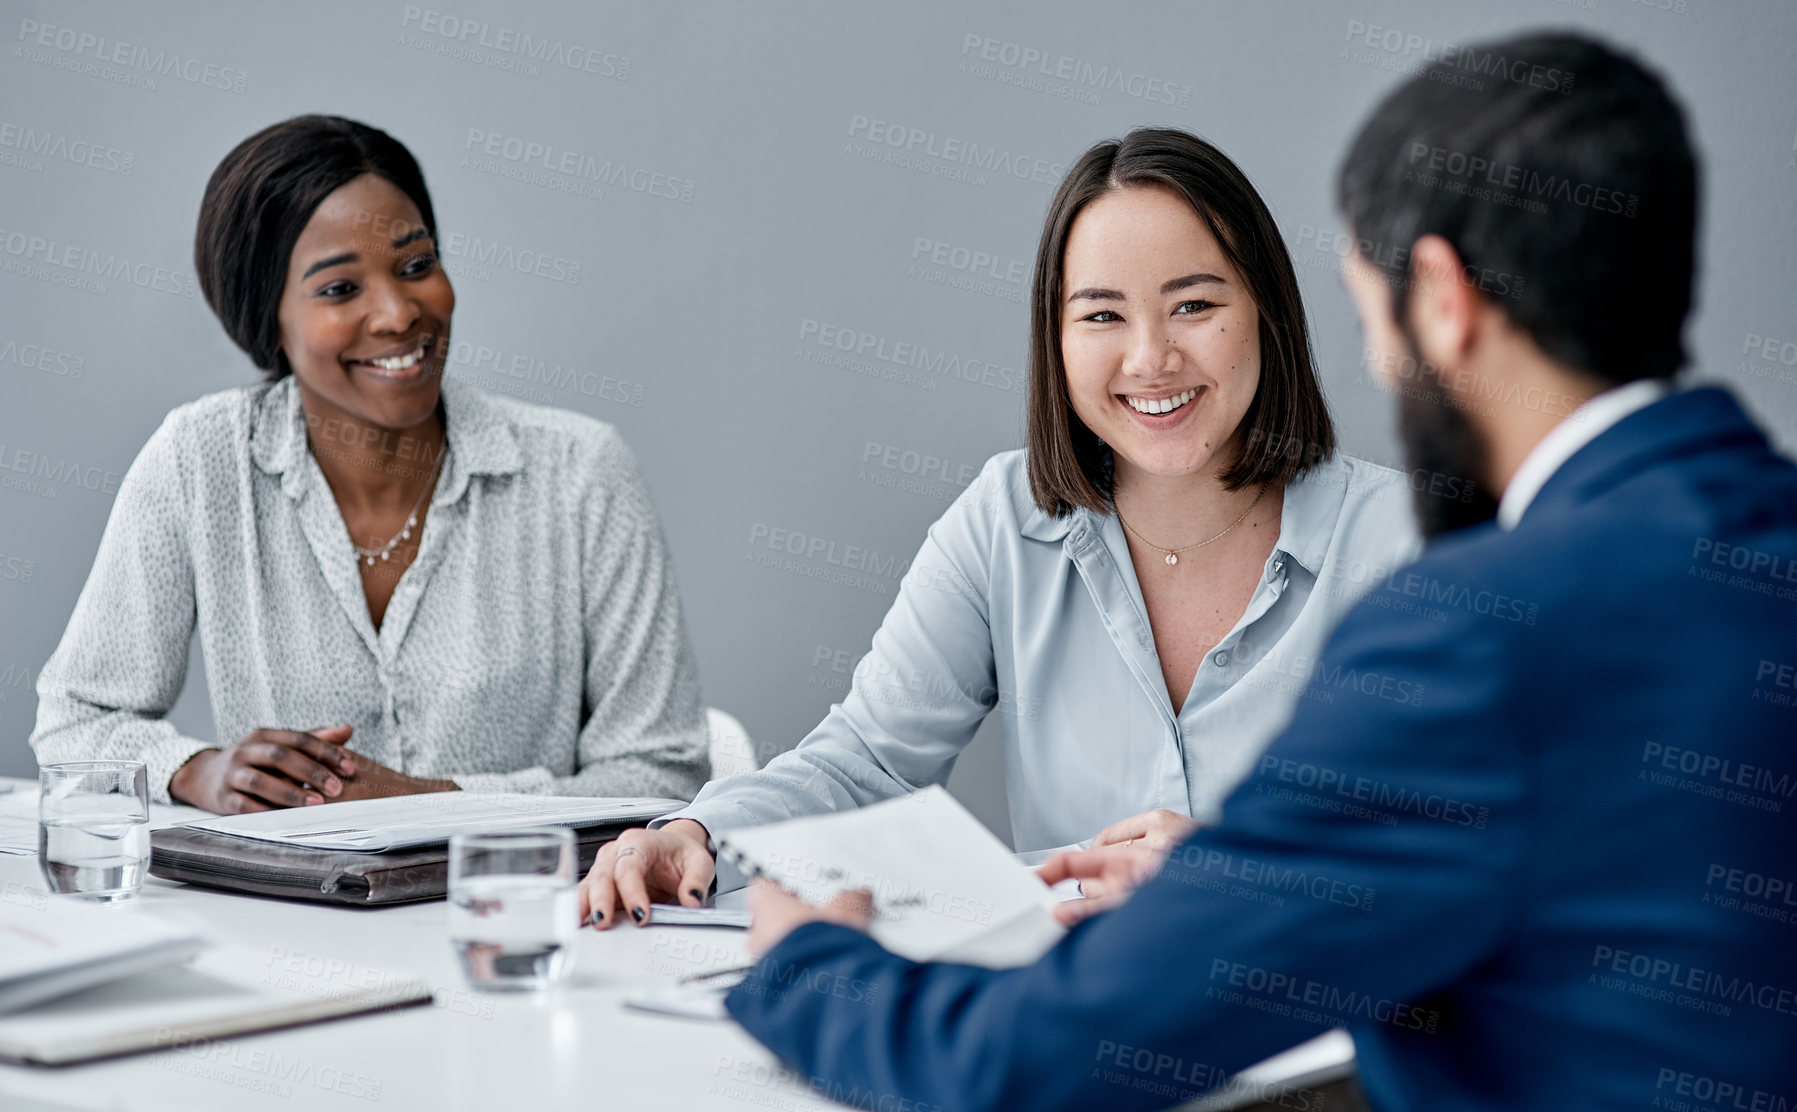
{"x":1361,"y":869}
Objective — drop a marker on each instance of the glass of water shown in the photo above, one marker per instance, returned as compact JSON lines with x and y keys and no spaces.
{"x":93,"y":828}
{"x":512,"y":907}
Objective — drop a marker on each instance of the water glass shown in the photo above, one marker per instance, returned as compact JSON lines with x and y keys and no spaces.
{"x":93,"y":828}
{"x":512,"y":907}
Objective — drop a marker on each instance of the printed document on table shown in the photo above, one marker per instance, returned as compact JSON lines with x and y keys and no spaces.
{"x":944,"y":888}
{"x":399,"y":822}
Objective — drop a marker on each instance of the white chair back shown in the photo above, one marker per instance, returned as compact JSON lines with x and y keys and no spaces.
{"x":732,"y":751}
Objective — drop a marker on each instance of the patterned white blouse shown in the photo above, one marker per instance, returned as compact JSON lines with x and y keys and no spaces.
{"x":536,"y":644}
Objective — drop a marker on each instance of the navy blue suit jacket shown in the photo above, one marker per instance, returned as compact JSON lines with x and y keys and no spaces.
{"x":1531,"y":838}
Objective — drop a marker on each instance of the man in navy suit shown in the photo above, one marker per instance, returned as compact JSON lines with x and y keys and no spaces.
{"x":1531,"y":836}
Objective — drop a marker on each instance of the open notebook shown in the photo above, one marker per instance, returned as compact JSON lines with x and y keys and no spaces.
{"x":226,"y":991}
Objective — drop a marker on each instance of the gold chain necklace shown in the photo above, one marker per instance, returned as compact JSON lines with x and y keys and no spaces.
{"x":385,"y":552}
{"x":1173,"y":553}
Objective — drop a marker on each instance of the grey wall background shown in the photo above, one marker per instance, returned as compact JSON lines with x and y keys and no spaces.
{"x":733,"y":196}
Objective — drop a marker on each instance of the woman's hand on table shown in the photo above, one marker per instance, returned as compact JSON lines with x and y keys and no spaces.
{"x":270,"y":768}
{"x":374,"y":780}
{"x":1123,"y":855}
{"x":1155,"y":830}
{"x":775,"y":913}
{"x":1107,"y":876}
{"x":266,"y":769}
{"x":671,"y":864}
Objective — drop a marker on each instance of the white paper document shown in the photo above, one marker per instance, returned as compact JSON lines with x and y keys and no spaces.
{"x":944,"y":888}
{"x":399,"y":822}
{"x":17,"y":835}
{"x":682,"y":1001}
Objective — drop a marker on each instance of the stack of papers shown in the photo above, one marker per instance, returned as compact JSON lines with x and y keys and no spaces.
{"x":52,"y":947}
{"x":18,"y":820}
{"x":401,"y":822}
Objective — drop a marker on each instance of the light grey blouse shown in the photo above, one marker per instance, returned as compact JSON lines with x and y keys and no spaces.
{"x":1041,"y":619}
{"x":536,"y":644}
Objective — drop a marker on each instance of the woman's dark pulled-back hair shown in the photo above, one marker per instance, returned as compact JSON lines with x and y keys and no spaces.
{"x":258,"y":201}
{"x":1286,"y":430}
{"x":1561,"y":172}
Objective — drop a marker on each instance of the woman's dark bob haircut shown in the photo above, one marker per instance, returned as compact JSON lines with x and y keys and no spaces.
{"x":1286,"y":430}
{"x":259,"y":200}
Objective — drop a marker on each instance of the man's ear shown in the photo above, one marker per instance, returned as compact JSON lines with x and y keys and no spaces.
{"x":1442,"y":311}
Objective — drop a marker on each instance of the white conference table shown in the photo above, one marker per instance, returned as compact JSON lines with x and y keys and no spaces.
{"x":577,"y":1046}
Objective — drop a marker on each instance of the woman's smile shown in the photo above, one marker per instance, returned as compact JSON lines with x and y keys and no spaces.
{"x":1162,"y":411}
{"x":399,"y":363}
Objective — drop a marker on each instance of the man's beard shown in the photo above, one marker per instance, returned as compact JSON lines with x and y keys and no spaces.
{"x":1442,"y":444}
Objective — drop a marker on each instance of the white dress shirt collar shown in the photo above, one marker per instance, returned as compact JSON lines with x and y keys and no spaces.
{"x":1581,"y":427}
{"x":484,"y":440}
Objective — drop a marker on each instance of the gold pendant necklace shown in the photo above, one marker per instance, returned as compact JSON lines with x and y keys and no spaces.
{"x":1173,"y":553}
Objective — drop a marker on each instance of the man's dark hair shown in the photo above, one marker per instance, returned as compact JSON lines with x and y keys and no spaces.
{"x":1552,"y":160}
{"x":259,"y":200}
{"x":1286,"y":430}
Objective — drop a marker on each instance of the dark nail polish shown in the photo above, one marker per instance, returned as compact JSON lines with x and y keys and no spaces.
{"x":638,"y":914}
{"x":696,"y":894}
{"x":596,"y":918}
